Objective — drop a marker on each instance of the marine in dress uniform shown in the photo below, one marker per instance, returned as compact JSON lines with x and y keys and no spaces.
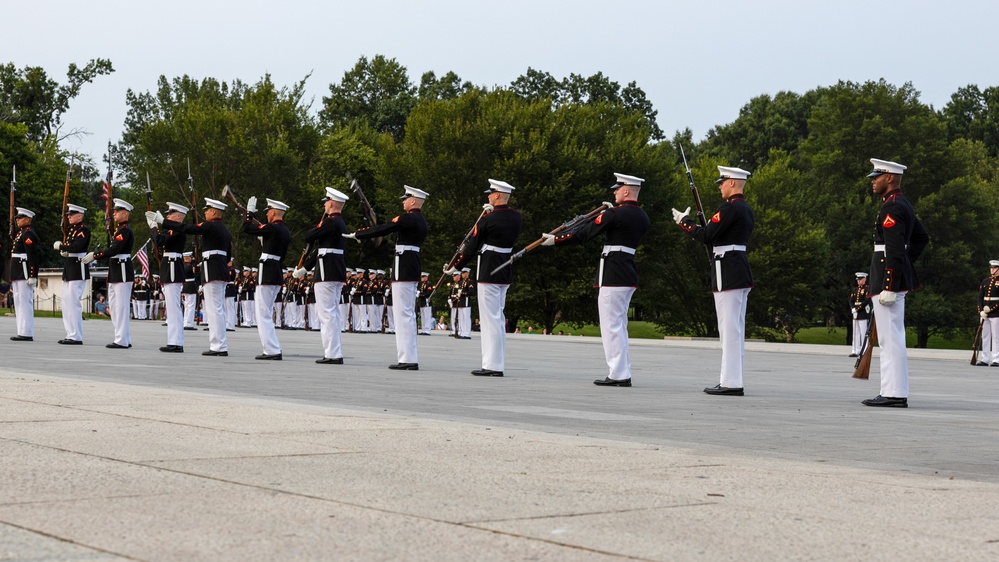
{"x":860,"y":309}
{"x":454,"y":294}
{"x":247,"y":304}
{"x":140,"y":298}
{"x":358,"y":309}
{"x":424,"y":290}
{"x":329,"y":273}
{"x":274,"y":240}
{"x":492,"y":241}
{"x":373,"y":301}
{"x":189,"y":290}
{"x":311,"y":310}
{"x":23,"y":268}
{"x":617,"y":277}
{"x":466,"y":288}
{"x":409,"y":230}
{"x":74,"y":274}
{"x":344,"y":305}
{"x":988,"y":309}
{"x":121,"y":275}
{"x":389,"y":320}
{"x":899,"y":238}
{"x":230,"y":300}
{"x":216,"y":247}
{"x":727,"y":234}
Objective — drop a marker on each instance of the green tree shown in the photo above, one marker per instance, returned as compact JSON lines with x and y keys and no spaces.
{"x":973,"y":114}
{"x":377,"y":93}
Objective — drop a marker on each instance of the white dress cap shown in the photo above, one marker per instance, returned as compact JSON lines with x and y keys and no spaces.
{"x":994,"y":263}
{"x":466,"y":270}
{"x":500,"y":186}
{"x":71,"y":208}
{"x":175,"y":207}
{"x":624,"y":179}
{"x":214,"y":204}
{"x":122,"y":205}
{"x":885,"y":167}
{"x":275,"y":204}
{"x":728,"y":173}
{"x":22,"y":212}
{"x":413,"y":192}
{"x":860,"y":274}
{"x":424,"y":274}
{"x":335,"y":195}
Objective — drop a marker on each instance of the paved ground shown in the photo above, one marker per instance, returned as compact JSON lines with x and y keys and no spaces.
{"x":135,"y":454}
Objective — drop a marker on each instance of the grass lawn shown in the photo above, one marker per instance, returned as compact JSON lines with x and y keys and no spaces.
{"x":50,"y":314}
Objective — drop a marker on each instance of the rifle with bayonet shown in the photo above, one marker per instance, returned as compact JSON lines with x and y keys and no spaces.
{"x":463,"y":249}
{"x":370,"y":219}
{"x":157,"y":251}
{"x":65,"y":204}
{"x":568,"y":225}
{"x":109,"y":225}
{"x":13,"y":210}
{"x":196,"y":262}
{"x":701,"y":219}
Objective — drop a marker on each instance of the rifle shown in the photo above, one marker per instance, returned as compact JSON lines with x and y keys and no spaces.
{"x":697,"y":198}
{"x":566,"y":226}
{"x":370,"y":219}
{"x":862,"y":368}
{"x":157,"y":251}
{"x":109,"y":224}
{"x":978,"y":340}
{"x":196,"y":262}
{"x":13,"y":211}
{"x":65,"y":204}
{"x":457,"y":254}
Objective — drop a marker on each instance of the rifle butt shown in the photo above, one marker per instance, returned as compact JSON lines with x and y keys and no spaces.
{"x":862,"y":369}
{"x":978,"y":340}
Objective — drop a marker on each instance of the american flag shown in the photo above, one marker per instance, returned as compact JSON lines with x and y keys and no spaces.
{"x":143,"y":258}
{"x":106,"y":193}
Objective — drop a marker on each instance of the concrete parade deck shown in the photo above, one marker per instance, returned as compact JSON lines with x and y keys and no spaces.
{"x":141,"y":455}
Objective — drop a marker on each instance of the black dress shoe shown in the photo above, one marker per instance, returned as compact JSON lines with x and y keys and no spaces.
{"x":163,"y":324}
{"x":992,"y":365}
{"x":113,"y":345}
{"x":887,"y":402}
{"x":464,"y":337}
{"x":612,"y":382}
{"x":211,"y":353}
{"x":230,"y":329}
{"x":487,"y":373}
{"x":328,"y":361}
{"x":22,"y":338}
{"x":172,"y":349}
{"x":193,"y":329}
{"x":68,"y":341}
{"x":724,"y":391}
{"x":265,"y":357}
{"x":981,"y":364}
{"x":205,"y":329}
{"x":854,"y":355}
{"x":405,"y":366}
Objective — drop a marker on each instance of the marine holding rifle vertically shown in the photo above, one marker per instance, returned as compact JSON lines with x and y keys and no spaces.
{"x":617,"y":277}
{"x":121,"y":273}
{"x":274,"y":240}
{"x":23,"y":268}
{"x":73,"y":247}
{"x":988,"y":309}
{"x":726,"y":236}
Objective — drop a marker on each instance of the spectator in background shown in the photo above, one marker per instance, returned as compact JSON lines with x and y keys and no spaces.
{"x":101,"y":306}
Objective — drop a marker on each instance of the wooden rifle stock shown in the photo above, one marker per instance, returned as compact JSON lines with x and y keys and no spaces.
{"x":862,"y":368}
{"x":457,"y":254}
{"x":65,"y":204}
{"x":567,"y":225}
{"x":369,"y":212}
{"x":109,"y":224}
{"x":196,"y":262}
{"x":978,"y":341}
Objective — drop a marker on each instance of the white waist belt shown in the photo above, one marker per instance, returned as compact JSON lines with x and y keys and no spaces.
{"x":324,"y":251}
{"x":173,"y":255}
{"x":210,"y":253}
{"x":20,"y":256}
{"x":992,"y":298}
{"x":498,"y":250}
{"x":403,"y":248}
{"x":625,"y":249}
{"x":265,"y":257}
{"x":77,"y":256}
{"x":722,"y":250}
{"x":122,"y":257}
{"x":881,"y":247}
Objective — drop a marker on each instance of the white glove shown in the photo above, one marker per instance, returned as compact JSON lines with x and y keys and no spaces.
{"x":64,"y":254}
{"x":678,"y":216}
{"x":887,"y":298}
{"x":984,"y":314}
{"x":88,"y":258}
{"x":298,"y":273}
{"x":986,"y":309}
{"x":351,"y":235}
{"x":251,"y":205}
{"x":549,"y":239}
{"x":57,"y":245}
{"x":608,"y":204}
{"x":32,"y":282}
{"x":449,"y":270}
{"x":488,"y":208}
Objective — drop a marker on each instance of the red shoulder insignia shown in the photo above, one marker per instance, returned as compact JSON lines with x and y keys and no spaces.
{"x":717,"y":217}
{"x":259,"y":226}
{"x":889,"y":222}
{"x":320,"y":224}
{"x":395,"y":219}
{"x":119,"y":238}
{"x":28,"y":241}
{"x":600,"y":218}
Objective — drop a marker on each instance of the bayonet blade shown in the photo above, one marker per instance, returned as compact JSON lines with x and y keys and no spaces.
{"x":149,"y":186}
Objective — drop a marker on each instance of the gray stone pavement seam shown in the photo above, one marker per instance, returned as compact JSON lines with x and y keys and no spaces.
{"x":589,"y":513}
{"x":68,"y":541}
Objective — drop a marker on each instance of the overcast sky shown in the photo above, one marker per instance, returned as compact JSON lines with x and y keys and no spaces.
{"x":699,"y":62}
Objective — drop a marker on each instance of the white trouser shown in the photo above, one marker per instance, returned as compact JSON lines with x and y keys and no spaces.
{"x":465,"y":321}
{"x":72,"y":309}
{"x":213,"y":307}
{"x":492,"y":323}
{"x":174,"y":312}
{"x":119,"y":295}
{"x":289,"y":314}
{"x":230,"y":313}
{"x":154,"y":309}
{"x":190,"y":303}
{"x":612,"y":305}
{"x":360,"y":317}
{"x":859,"y":333}
{"x":427,"y":319}
{"x":375,"y":317}
{"x":453,"y":320}
{"x":894,"y":362}
{"x":730,"y":307}
{"x":990,"y":341}
{"x":405,"y":320}
{"x":24,"y":308}
{"x":265,"y":318}
{"x":244,"y":310}
{"x":390,"y":318}
{"x":328,"y":311}
{"x":344,"y":315}
{"x":135,"y":309}
{"x":314,"y":315}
